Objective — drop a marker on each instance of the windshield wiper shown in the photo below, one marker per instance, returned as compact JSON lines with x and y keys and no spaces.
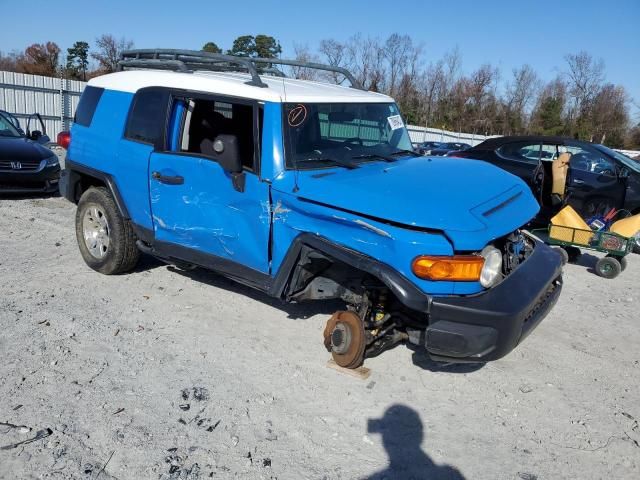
{"x":374,"y":155}
{"x":338,"y":161}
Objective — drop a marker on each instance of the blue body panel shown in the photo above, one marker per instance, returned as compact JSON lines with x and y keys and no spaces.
{"x":472,"y":202}
{"x":272,"y":165}
{"x":392,"y":212}
{"x":102,"y":147}
{"x":207,"y":214}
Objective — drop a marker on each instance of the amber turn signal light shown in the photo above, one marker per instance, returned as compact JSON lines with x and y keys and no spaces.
{"x":459,"y":268}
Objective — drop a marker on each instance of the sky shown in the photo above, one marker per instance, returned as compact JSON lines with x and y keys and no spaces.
{"x":505,"y":33}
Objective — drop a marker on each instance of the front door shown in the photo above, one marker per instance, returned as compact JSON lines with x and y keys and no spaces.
{"x":197,"y":208}
{"x":594,"y":186}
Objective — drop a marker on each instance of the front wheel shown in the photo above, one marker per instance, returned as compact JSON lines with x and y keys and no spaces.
{"x":608,"y":267}
{"x":106,"y":240}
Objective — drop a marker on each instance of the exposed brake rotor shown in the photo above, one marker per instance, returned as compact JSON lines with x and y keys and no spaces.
{"x":344,"y":337}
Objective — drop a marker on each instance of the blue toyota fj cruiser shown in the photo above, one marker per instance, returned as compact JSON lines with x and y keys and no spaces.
{"x":306,"y":191}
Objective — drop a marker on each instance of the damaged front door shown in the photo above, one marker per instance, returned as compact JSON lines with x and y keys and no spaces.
{"x":196,"y":208}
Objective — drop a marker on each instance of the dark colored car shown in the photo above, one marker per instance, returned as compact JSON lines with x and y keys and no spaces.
{"x":599,"y":178}
{"x":445,"y":149}
{"x":25,"y":165}
{"x":426,"y":147}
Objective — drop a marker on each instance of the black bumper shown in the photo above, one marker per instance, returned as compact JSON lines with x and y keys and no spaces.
{"x":487,"y":326}
{"x":44,"y":180}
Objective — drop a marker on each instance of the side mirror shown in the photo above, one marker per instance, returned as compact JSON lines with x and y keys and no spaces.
{"x":623,"y":173}
{"x":35,"y":135}
{"x":227,"y":153}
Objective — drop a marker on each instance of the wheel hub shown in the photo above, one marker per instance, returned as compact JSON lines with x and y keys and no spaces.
{"x":344,"y":337}
{"x":95,"y":231}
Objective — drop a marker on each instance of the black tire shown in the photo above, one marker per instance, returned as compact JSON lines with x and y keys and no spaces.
{"x":574,"y":253}
{"x":608,"y":267}
{"x":120,"y":255}
{"x":623,"y":263}
{"x":563,"y":254}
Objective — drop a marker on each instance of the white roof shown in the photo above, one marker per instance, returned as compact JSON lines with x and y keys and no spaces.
{"x":233,"y":84}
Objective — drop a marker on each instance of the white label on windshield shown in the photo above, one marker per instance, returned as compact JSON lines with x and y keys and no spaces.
{"x":395,"y":122}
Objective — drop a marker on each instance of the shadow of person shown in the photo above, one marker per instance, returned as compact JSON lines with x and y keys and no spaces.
{"x":402,"y":436}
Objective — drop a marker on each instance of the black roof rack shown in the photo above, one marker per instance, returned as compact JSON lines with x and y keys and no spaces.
{"x":189,"y":60}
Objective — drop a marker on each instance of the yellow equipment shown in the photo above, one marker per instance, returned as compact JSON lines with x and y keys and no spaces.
{"x":568,"y":226}
{"x":627,"y":227}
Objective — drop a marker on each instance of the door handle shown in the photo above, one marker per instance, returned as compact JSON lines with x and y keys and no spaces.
{"x":168,"y":179}
{"x":578,"y":181}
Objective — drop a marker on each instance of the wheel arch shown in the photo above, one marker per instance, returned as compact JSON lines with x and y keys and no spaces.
{"x":78,"y":178}
{"x":283,"y":284}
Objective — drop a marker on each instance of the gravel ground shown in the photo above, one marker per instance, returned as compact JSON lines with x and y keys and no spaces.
{"x":166,"y":374}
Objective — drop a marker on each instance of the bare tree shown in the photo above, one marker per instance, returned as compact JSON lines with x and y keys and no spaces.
{"x":303,"y":54}
{"x":585,"y":76}
{"x":402,"y":59}
{"x":519,"y":95}
{"x":109,"y":50}
{"x":610,"y":115}
{"x":334,"y":54}
{"x":365,"y":57}
{"x":433,"y":86}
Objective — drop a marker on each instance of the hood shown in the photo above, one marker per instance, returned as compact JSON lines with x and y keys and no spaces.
{"x":471,"y":201}
{"x":21,"y":149}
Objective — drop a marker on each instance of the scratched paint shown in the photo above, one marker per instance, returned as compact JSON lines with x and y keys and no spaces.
{"x":373,"y":228}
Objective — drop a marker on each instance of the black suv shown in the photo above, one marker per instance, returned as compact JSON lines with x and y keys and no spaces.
{"x":599,"y":178}
{"x":25,"y":165}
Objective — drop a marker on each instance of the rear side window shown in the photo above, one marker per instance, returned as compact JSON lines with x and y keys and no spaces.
{"x":87,"y":105}
{"x":148,"y":116}
{"x":521,"y":151}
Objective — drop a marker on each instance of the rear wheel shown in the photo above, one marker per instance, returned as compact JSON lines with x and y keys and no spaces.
{"x":623,"y":263}
{"x":574,"y":253}
{"x":608,"y":267}
{"x":106,"y":240}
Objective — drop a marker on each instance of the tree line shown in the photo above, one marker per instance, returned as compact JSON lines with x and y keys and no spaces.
{"x":49,"y":60}
{"x":579,"y":102}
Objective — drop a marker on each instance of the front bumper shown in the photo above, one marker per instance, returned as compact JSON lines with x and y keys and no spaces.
{"x":43,"y":180}
{"x":487,"y":326}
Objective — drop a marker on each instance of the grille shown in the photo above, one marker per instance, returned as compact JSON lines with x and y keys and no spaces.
{"x":24,"y":166}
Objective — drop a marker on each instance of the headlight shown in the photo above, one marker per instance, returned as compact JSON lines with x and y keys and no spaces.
{"x":492,"y":269}
{"x":51,"y":161}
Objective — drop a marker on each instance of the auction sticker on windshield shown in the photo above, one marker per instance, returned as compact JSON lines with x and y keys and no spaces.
{"x":395,"y":122}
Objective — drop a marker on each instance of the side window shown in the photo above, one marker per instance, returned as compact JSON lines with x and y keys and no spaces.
{"x":87,"y":105}
{"x":147,"y":118}
{"x":521,"y":152}
{"x":590,"y":160}
{"x":206,"y":119}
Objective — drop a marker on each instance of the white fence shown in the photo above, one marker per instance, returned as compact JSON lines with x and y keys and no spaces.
{"x":55,"y":99}
{"x":422,"y":134}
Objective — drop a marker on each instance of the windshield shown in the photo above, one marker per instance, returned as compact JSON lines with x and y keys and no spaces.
{"x":346,"y":134}
{"x":7,"y":129}
{"x":632,"y":164}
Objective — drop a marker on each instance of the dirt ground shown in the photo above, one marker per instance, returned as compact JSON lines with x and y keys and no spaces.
{"x":173,"y":375}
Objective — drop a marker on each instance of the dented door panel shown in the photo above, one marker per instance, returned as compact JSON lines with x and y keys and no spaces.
{"x":206,"y":213}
